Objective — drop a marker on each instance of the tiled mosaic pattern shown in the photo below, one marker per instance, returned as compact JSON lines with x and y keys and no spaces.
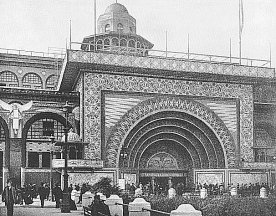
{"x":169,"y":64}
{"x":94,"y":83}
{"x":88,"y":178}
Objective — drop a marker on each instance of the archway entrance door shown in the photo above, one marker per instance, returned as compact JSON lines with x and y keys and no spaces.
{"x":168,"y":142}
{"x":159,"y":182}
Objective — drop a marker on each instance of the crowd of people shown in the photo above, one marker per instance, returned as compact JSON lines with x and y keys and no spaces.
{"x":244,"y":189}
{"x":156,"y":189}
{"x":27,"y":193}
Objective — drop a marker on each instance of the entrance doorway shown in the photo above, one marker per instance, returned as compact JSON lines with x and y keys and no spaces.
{"x":160,"y":185}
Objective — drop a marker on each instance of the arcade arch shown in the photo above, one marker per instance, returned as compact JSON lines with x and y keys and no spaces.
{"x":193,"y":131}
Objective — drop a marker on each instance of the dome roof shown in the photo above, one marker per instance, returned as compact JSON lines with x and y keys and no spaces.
{"x":72,"y":137}
{"x":116,"y":8}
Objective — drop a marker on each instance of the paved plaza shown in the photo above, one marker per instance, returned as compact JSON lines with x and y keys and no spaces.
{"x":35,"y":210}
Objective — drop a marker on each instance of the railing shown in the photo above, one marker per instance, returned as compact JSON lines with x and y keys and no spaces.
{"x":57,"y":55}
{"x":170,"y":54}
{"x":156,"y":211}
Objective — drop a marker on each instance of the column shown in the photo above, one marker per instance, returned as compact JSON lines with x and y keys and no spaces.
{"x":40,"y":160}
{"x":23,"y":171}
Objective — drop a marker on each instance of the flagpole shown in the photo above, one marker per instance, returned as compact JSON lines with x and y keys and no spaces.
{"x":270,"y":54}
{"x":230,"y":50}
{"x":95,"y":26}
{"x":70,"y":36}
{"x":240,"y":29}
{"x":166,"y":43}
{"x":241,"y":20}
{"x":188,"y":46}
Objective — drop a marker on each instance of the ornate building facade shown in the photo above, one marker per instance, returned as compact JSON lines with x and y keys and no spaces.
{"x":145,"y":118}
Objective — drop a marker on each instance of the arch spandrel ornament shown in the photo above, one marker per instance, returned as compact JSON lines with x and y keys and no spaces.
{"x":153,"y":105}
{"x":162,"y":160}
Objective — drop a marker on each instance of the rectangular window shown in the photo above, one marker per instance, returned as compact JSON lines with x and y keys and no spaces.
{"x":46,"y":159}
{"x":33,"y":159}
{"x":48,"y":128}
{"x":57,"y":155}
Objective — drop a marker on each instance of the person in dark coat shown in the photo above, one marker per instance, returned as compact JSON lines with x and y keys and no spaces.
{"x":57,"y":192}
{"x":98,"y":207}
{"x":9,"y":197}
{"x":42,"y":191}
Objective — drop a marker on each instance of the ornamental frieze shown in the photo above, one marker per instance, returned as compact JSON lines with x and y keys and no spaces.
{"x":95,"y":83}
{"x":176,"y":64}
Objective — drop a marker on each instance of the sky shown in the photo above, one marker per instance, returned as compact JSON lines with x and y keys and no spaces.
{"x":42,"y":25}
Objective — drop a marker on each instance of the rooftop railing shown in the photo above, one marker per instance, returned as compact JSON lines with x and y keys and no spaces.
{"x":60,"y":54}
{"x":56,"y":54}
{"x":171,"y":55}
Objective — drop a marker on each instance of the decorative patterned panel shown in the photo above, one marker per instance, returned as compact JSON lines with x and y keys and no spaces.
{"x":258,"y":165}
{"x":94,"y":83}
{"x":210,"y":178}
{"x":162,"y":160}
{"x":116,"y":107}
{"x":38,"y":146}
{"x":226,"y":112}
{"x":88,"y":178}
{"x":265,"y":93}
{"x":262,"y":138}
{"x":169,"y":64}
{"x":247,"y":178}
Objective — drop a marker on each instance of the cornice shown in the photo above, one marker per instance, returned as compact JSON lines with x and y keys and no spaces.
{"x":40,"y":95}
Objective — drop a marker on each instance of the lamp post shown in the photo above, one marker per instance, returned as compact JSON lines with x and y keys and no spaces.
{"x":123,"y":155}
{"x":65,"y":205}
{"x":52,"y":138}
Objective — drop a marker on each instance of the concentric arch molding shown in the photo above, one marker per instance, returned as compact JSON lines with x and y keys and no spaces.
{"x":95,"y":83}
{"x":157,"y":104}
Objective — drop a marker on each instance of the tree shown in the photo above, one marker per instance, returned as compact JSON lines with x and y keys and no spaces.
{"x":106,"y":187}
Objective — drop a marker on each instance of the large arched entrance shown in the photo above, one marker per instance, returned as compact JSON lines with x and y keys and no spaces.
{"x":36,"y":148}
{"x":166,"y":138}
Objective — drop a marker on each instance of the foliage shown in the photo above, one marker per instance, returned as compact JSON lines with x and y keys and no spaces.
{"x":218,"y":205}
{"x":105,"y":187}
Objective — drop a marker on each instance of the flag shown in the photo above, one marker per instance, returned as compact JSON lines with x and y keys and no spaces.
{"x":241,"y":17}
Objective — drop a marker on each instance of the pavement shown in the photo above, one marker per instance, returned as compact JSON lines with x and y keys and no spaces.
{"x":34,"y":209}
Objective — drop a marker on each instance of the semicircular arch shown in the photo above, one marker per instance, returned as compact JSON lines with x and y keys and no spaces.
{"x":33,"y":119}
{"x":157,"y":104}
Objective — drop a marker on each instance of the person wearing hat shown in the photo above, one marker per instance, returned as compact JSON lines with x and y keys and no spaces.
{"x":104,"y":209}
{"x":98,"y":207}
{"x":9,"y":197}
{"x":57,"y":192}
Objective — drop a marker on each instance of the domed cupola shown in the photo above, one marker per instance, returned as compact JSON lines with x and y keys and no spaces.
{"x":117,"y":33}
{"x":116,"y":19}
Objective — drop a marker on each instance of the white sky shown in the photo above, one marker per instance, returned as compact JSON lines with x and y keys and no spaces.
{"x":39,"y":24}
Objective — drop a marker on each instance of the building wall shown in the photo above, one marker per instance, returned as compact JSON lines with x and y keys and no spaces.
{"x":96,"y":83}
{"x":43,"y":72}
